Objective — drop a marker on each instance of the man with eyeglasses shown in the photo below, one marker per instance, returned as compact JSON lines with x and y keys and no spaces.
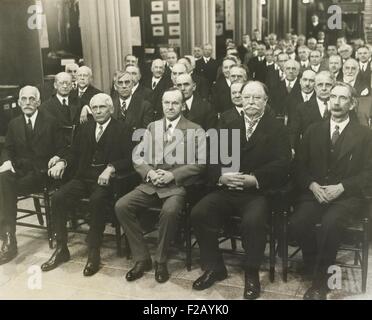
{"x":332,"y":173}
{"x":32,"y":140}
{"x":241,"y":191}
{"x":133,"y":110}
{"x":101,"y":150}
{"x":63,"y":106}
{"x":85,"y":91}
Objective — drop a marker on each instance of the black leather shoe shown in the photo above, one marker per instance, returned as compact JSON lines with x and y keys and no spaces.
{"x":93,"y":263}
{"x":316,"y":293}
{"x":137,"y":271}
{"x":59,"y":256}
{"x":8,"y":249}
{"x":252,"y":288}
{"x":161,"y":272}
{"x":208,"y":278}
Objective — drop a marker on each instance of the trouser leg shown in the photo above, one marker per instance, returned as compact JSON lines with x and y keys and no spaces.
{"x":127,"y":209}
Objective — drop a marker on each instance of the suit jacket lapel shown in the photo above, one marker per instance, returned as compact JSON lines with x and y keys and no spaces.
{"x":39,"y":126}
{"x":73,"y":105}
{"x":349,"y":140}
{"x":258,"y":134}
{"x":180,"y":126}
{"x":21,"y":129}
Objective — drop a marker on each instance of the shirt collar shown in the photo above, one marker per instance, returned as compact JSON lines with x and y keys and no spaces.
{"x":82,"y":90}
{"x":228,"y":82}
{"x":32,"y":118}
{"x":341,"y":125}
{"x":291,"y":83}
{"x":307,"y":96}
{"x":103,"y":125}
{"x":60,"y":98}
{"x":127,"y":100}
{"x":174,"y":122}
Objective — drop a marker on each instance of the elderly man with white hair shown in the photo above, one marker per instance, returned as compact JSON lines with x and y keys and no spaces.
{"x":33,"y":138}
{"x":85,"y":91}
{"x":351,"y":71}
{"x":63,"y":106}
{"x":101,"y":150}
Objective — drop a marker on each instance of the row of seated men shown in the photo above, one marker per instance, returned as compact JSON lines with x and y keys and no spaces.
{"x":332,"y":172}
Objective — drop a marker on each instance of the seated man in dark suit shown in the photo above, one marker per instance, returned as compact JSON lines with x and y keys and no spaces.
{"x":33,"y":138}
{"x":163,"y":183}
{"x":264,"y":164}
{"x":133,"y":110}
{"x":101,"y":149}
{"x":334,"y":164}
{"x":85,"y":91}
{"x":313,"y":110}
{"x":196,"y":109}
{"x":62,"y":106}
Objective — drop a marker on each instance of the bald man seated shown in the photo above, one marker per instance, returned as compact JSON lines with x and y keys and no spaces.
{"x":101,"y":150}
{"x":32,"y":140}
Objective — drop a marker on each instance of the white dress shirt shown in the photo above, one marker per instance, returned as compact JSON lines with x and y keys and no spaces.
{"x":174,"y":124}
{"x":82,"y":91}
{"x":156,"y":81}
{"x":228,"y":82}
{"x":341,"y":126}
{"x":104,"y":126}
{"x":60,"y":98}
{"x":304,"y":64}
{"x":32,"y":118}
{"x":290,"y":83}
{"x":127,"y":102}
{"x":316,"y":68}
{"x":322,"y":106}
{"x":363,"y":66}
{"x":307,"y":96}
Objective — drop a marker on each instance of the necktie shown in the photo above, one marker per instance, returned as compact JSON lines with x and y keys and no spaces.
{"x":74,"y":86}
{"x":186,"y":111}
{"x":335,"y":135}
{"x":168,"y":134}
{"x":100,"y":133}
{"x":66,"y":109}
{"x":326,"y":112}
{"x":153,"y":85}
{"x":249,"y":130}
{"x":289,"y":88}
{"x":29,"y":130}
{"x":81,"y":93}
{"x":242,"y":119}
{"x":123,"y":110}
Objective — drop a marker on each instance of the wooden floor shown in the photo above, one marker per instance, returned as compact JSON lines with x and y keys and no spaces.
{"x":20,"y":279}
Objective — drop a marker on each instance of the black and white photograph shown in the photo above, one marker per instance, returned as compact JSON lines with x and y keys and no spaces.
{"x":182,"y":152}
